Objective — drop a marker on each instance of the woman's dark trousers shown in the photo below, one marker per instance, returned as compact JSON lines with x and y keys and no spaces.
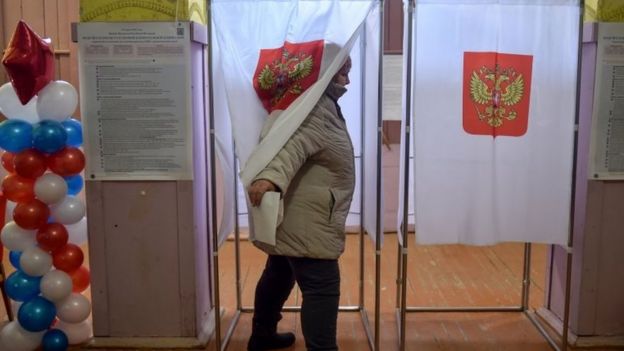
{"x":319,"y":281}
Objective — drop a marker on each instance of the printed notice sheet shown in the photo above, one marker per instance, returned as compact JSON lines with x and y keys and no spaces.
{"x":136,"y":100}
{"x":607,"y":140}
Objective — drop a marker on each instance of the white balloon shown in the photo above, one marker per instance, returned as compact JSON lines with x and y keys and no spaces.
{"x":69,"y":211}
{"x":15,"y":306}
{"x":12,"y":107}
{"x":57,"y":101}
{"x":56,"y":285}
{"x":77,"y":333}
{"x":50,"y":188}
{"x":16,"y":238}
{"x":35,"y":262}
{"x":73,"y":309}
{"x":8,"y":215}
{"x":78,"y":232}
{"x":15,"y":338}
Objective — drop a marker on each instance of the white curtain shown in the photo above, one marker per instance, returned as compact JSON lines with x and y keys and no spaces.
{"x":241,"y":30}
{"x":493,"y":104}
{"x":226,"y":173}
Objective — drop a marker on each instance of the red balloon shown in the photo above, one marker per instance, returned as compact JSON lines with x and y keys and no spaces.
{"x":81,"y":278}
{"x":67,"y":162}
{"x":52,"y":237}
{"x":30,"y":163}
{"x":7,"y":161}
{"x":29,"y":62}
{"x":31,"y":215}
{"x":18,"y":189}
{"x":68,"y":258}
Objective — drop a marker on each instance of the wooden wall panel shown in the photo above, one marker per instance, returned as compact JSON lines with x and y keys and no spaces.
{"x":68,"y":11}
{"x":50,"y":24}
{"x":51,"y":30}
{"x":33,"y":13}
{"x":3,"y":20}
{"x":11,"y":12}
{"x":393,"y":27}
{"x":73,"y":9}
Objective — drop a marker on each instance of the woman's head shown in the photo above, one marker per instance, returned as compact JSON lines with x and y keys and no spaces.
{"x":342,"y":76}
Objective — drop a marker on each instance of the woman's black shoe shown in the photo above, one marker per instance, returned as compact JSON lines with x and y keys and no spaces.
{"x":272,"y":342}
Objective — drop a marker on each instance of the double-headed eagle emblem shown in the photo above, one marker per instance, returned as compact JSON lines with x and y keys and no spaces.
{"x":283,"y":75}
{"x":499,"y":90}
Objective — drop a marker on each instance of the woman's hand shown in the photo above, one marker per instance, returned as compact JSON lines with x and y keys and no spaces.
{"x":257,"y":189}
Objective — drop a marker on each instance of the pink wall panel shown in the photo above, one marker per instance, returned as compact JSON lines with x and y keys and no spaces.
{"x":597,"y":291}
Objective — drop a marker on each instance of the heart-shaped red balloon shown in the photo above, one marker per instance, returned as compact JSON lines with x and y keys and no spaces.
{"x":29,"y":62}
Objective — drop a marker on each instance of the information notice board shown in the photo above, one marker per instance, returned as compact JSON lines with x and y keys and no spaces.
{"x":135,"y":85}
{"x":607,"y":139}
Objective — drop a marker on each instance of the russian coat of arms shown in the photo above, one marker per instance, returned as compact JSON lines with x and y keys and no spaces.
{"x":283,"y":74}
{"x":496,"y":93}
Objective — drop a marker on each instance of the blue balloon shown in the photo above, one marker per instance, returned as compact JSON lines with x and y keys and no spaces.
{"x":15,"y":135}
{"x":14,"y":257}
{"x":74,"y":184}
{"x":54,"y":340}
{"x":49,"y":136}
{"x":36,"y":314}
{"x":22,"y":287}
{"x":74,"y":132}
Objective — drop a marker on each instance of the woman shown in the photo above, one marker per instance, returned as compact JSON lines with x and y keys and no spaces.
{"x":315,"y":173}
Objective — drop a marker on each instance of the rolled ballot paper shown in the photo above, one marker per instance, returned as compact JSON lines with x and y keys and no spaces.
{"x":266,"y":217}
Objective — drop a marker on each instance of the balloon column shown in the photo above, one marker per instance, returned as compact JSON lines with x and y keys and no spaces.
{"x":43,"y":161}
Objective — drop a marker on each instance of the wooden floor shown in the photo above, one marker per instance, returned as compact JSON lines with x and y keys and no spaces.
{"x":443,"y":276}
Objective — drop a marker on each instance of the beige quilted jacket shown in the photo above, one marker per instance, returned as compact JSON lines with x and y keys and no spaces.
{"x":315,"y":172}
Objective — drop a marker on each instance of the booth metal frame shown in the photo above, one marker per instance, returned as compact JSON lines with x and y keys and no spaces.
{"x":373,"y":336}
{"x":401,"y":304}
